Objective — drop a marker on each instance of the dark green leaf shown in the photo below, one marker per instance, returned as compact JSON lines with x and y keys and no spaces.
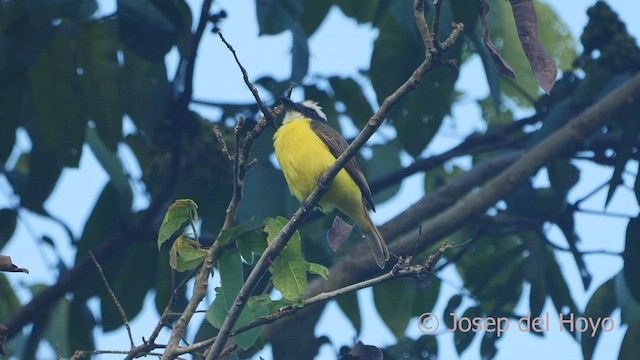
{"x":180,"y":214}
{"x":288,"y":270}
{"x":466,"y":330}
{"x":563,"y":175}
{"x":493,"y":79}
{"x":537,"y":296}
{"x":488,"y":348}
{"x":148,"y":28}
{"x":631,"y":257}
{"x":109,"y":161}
{"x":559,"y":291}
{"x":231,"y":280}
{"x":361,"y":11}
{"x":276,"y":16}
{"x":395,"y":310}
{"x":253,"y":242}
{"x":11,"y":95}
{"x":426,"y":296}
{"x":257,"y":306}
{"x":602,"y":303}
{"x":231,"y":234}
{"x":57,"y":96}
{"x":58,"y":331}
{"x":350,"y":94}
{"x":102,"y":79}
{"x":348,"y":303}
{"x":82,"y":322}
{"x":630,"y":347}
{"x":8,"y":222}
{"x":147,"y":91}
{"x":10,"y":303}
{"x":299,"y":54}
{"x":451,"y":307}
{"x":313,"y":14}
{"x":42,"y":12}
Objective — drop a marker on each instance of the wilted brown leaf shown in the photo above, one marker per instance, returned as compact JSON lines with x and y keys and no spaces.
{"x":338,"y":234}
{"x":543,"y":66}
{"x":501,"y":64}
{"x":7,"y":265}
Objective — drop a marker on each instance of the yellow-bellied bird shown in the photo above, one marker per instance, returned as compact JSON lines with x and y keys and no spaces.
{"x":305,"y":146}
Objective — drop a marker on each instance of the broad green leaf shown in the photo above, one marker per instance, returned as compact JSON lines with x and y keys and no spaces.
{"x":427,"y":347}
{"x":602,"y":303}
{"x":42,"y":12}
{"x":231,"y":234}
{"x":257,"y":306}
{"x":146,"y":92}
{"x":289,"y":269}
{"x":148,"y":28}
{"x":11,"y":95}
{"x":130,"y":290}
{"x":559,"y":291}
{"x":82,"y":322}
{"x":109,"y":161}
{"x":395,"y":310}
{"x":629,"y":306}
{"x":102,"y":79}
{"x":397,"y":53}
{"x":313,"y":14}
{"x":10,"y":303}
{"x":488,"y":348}
{"x":276,"y":16}
{"x":299,"y":54}
{"x":563,"y":175}
{"x":385,"y":160}
{"x":252,"y":242}
{"x":107,"y":215}
{"x":537,"y":296}
{"x":426,"y":296}
{"x":186,"y":254}
{"x":231,"y":281}
{"x":348,"y":303}
{"x":631,"y":257}
{"x":361,"y":11}
{"x":317,"y":269}
{"x":180,"y":213}
{"x":60,"y":110}
{"x":453,"y":304}
{"x":630,"y":347}
{"x":8,"y":222}
{"x":464,"y":334}
{"x":351,"y":95}
{"x":58,"y":331}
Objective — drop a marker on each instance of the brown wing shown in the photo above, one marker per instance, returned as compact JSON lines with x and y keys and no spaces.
{"x":337,"y":145}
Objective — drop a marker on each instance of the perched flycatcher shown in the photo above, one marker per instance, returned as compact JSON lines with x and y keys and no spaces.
{"x":305,"y":147}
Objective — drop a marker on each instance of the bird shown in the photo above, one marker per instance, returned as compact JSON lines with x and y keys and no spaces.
{"x":305,"y":146}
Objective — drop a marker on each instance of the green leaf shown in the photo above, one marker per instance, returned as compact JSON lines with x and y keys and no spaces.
{"x":629,"y":306}
{"x":559,"y":291}
{"x":231,"y":234}
{"x":102,"y":79}
{"x":8,"y":222}
{"x":276,"y":16}
{"x":146,"y":92}
{"x":186,"y":254}
{"x":317,"y":269}
{"x":602,"y":303}
{"x":58,"y":331}
{"x":563,"y":175}
{"x":10,"y":303}
{"x":488,"y":348}
{"x":452,"y":305}
{"x":631,"y":257}
{"x":288,"y":270}
{"x":82,"y":322}
{"x":11,"y":95}
{"x":299,"y":54}
{"x":395,"y":310}
{"x":385,"y":160}
{"x":348,"y":303}
{"x":351,"y":95}
{"x":179,"y":214}
{"x":252,"y":242}
{"x":42,"y":12}
{"x":397,"y":53}
{"x":361,"y":11}
{"x":463,"y":337}
{"x":148,"y":28}
{"x":630,"y":347}
{"x":109,"y":161}
{"x":426,"y":296}
{"x":257,"y":306}
{"x":58,"y":101}
{"x":537,"y":296}
{"x":313,"y":15}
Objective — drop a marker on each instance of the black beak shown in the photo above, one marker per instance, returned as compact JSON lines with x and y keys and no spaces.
{"x":289,"y":104}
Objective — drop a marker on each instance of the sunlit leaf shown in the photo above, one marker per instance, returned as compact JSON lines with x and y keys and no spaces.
{"x":289,"y":269}
{"x":180,"y":213}
{"x":186,"y":254}
{"x":318,"y":269}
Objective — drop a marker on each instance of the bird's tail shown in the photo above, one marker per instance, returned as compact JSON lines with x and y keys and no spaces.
{"x":375,"y":240}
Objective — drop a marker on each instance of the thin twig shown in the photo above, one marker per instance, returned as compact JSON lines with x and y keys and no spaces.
{"x":245,"y":75}
{"x":115,"y":299}
{"x":222,"y":144}
{"x":436,"y":23}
